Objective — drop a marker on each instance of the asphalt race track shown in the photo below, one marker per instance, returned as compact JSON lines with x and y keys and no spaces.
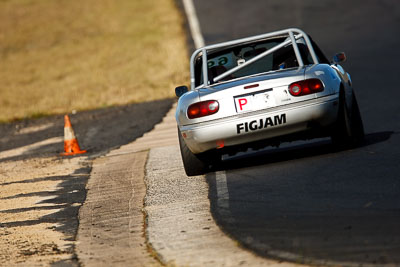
{"x":128,"y":202}
{"x":307,"y":201}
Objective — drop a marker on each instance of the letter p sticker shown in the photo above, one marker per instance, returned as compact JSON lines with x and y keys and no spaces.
{"x":242,"y":102}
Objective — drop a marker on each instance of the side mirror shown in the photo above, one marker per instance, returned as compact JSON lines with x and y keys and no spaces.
{"x":339,"y":58}
{"x":180,"y":90}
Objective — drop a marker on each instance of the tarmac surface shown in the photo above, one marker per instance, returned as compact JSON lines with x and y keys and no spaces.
{"x":306,"y":201}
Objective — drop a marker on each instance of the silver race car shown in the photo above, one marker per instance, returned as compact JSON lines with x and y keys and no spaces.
{"x":260,"y":91}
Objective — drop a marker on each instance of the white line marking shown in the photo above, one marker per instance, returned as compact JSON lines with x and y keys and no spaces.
{"x":220,"y":177}
{"x":223,"y":196}
{"x":193,"y":23}
{"x":222,"y":190}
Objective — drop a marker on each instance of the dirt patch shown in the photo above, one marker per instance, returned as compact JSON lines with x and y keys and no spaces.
{"x":41,"y":192}
{"x":40,"y":199}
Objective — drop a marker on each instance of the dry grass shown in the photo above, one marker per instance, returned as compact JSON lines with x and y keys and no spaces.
{"x":64,"y":55}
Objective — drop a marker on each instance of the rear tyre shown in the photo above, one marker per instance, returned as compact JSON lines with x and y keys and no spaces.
{"x":194,"y":164}
{"x":348,"y":130}
{"x":358,"y":130}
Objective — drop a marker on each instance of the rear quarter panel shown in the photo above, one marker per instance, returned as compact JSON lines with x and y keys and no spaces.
{"x":183,"y":103}
{"x":329,"y":77}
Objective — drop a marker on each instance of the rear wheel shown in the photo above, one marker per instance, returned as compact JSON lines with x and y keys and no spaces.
{"x":348,"y":129}
{"x":358,"y":125}
{"x":194,"y":164}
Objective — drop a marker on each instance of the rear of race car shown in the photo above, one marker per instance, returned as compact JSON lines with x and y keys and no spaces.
{"x":254,"y":92}
{"x":259,"y":108}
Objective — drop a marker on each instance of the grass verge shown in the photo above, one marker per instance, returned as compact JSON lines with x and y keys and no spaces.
{"x":64,"y":55}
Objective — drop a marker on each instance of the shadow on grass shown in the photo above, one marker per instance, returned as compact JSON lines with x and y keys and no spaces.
{"x":97,"y":131}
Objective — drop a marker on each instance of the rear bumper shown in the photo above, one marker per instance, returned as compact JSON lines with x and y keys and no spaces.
{"x":261,"y":125}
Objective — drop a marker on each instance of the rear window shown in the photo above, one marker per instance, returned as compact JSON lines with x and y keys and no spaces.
{"x":221,"y":61}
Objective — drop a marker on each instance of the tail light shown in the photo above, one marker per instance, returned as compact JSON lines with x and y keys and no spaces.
{"x":306,"y":87}
{"x":202,"y":109}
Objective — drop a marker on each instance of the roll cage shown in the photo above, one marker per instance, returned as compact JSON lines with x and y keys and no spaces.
{"x":291,"y":36}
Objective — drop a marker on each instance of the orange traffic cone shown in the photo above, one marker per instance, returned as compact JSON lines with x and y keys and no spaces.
{"x":71,"y":146}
